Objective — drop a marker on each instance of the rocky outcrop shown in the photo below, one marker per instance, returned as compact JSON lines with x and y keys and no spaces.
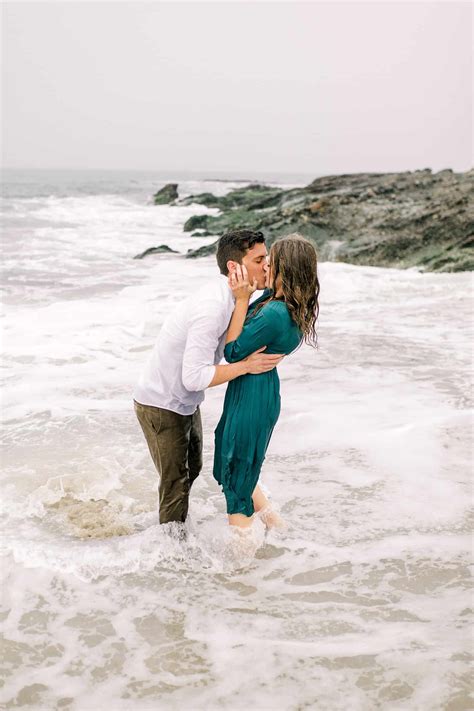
{"x":207,"y":199}
{"x":162,"y":249}
{"x":203,"y":251}
{"x":166,"y":195}
{"x":196,"y":222}
{"x":407,"y":219}
{"x":253,"y":197}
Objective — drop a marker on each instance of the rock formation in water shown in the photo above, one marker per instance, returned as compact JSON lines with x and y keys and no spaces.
{"x":166,"y":195}
{"x":161,"y":249}
{"x":410,"y":219}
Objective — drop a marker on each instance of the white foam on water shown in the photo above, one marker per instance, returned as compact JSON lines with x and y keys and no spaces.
{"x":361,"y":603}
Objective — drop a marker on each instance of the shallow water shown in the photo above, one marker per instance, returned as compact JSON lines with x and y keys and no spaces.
{"x":363,"y":603}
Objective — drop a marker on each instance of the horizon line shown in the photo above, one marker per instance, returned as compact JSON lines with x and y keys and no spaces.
{"x":206,"y":171}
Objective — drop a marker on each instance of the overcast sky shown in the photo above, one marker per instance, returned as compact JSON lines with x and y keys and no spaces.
{"x":292,"y":87}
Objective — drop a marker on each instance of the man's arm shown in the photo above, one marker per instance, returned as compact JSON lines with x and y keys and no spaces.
{"x":256,"y":363}
{"x":202,"y":342}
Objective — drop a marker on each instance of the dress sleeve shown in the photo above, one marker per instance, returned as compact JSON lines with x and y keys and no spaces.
{"x":260,"y":330}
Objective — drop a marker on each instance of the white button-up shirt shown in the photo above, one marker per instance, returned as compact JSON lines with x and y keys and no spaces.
{"x":189,"y":346}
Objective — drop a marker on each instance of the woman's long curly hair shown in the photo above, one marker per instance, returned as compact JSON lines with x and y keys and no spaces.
{"x":294,"y":259}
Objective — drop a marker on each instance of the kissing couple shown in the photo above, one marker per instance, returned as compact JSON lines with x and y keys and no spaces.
{"x":220,"y":321}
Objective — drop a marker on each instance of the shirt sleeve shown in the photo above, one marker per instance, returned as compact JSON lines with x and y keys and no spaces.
{"x":260,"y":330}
{"x":202,"y":342}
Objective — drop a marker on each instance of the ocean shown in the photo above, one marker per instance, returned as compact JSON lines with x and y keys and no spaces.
{"x":362,"y":603}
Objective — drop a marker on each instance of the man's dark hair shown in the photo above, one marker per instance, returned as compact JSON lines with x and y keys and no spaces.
{"x":233,"y":245}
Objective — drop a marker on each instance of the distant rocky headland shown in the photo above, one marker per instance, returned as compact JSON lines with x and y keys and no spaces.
{"x":410,"y":219}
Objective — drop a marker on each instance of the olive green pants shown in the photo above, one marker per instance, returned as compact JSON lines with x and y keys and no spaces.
{"x":175,"y":444}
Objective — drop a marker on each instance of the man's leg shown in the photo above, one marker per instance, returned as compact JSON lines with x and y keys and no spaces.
{"x":195,"y":447}
{"x":168,"y":434}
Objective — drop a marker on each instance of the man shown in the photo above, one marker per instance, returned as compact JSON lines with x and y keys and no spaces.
{"x":184,"y":362}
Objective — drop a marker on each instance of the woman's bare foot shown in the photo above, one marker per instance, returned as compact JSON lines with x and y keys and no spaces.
{"x":272,"y":519}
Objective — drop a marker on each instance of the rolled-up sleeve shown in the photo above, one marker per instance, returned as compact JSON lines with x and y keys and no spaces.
{"x":201,"y":345}
{"x":260,"y":330}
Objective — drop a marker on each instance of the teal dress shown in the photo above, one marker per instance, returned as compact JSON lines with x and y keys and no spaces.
{"x":252,"y":404}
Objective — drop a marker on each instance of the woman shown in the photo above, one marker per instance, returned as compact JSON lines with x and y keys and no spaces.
{"x":280,"y":319}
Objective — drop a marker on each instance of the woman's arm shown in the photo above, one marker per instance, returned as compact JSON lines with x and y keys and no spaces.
{"x":237,"y":320}
{"x":242,"y":290}
{"x":259,"y":331}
